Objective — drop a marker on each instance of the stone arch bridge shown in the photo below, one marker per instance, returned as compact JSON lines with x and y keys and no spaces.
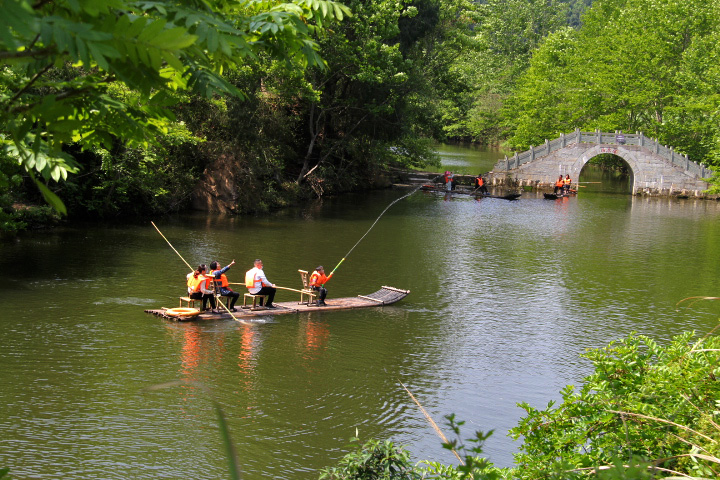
{"x":656,"y":169}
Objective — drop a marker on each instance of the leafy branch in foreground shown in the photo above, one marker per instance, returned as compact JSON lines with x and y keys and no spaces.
{"x":644,"y":401}
{"x":60,"y":57}
{"x":647,"y":412}
{"x":373,"y":460}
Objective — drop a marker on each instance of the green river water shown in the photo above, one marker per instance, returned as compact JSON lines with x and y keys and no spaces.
{"x":504,"y":297}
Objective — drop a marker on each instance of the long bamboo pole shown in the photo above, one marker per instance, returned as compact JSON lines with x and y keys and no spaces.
{"x":168,"y":242}
{"x":432,"y":422}
{"x":276,"y":286}
{"x":181,"y":258}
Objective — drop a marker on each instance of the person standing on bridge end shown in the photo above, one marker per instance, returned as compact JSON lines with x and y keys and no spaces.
{"x":449,"y":183}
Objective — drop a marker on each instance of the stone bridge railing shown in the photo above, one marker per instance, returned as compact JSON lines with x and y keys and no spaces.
{"x":617,"y":138}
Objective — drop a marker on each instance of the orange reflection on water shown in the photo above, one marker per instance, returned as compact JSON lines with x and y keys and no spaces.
{"x":190,"y":356}
{"x":317,"y":335}
{"x":246,"y":357}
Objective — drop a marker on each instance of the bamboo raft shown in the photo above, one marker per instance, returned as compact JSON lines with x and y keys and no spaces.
{"x":468,"y":192}
{"x":384,"y":296}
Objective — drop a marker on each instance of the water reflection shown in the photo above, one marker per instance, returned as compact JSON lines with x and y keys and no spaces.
{"x":469,"y":159}
{"x":504,"y":297}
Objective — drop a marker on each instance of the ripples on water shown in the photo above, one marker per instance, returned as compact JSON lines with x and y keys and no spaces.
{"x":505,"y":296}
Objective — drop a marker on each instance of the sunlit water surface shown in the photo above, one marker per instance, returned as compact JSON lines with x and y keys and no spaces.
{"x":505,"y":296}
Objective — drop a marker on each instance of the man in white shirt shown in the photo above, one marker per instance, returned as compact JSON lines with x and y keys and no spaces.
{"x":258,"y":284}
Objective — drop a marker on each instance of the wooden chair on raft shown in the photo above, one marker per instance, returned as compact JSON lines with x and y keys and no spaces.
{"x":190,"y":301}
{"x":254,"y":299}
{"x":306,"y":291}
{"x":218,"y":296}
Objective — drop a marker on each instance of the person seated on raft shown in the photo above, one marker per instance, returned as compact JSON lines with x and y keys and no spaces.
{"x":559,"y":185}
{"x":224,"y":288}
{"x":317,"y":282}
{"x":200,"y":287}
{"x":258,"y":284}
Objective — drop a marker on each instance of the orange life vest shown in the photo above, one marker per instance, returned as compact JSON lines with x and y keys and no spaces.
{"x":317,"y":279}
{"x":560,"y":183}
{"x":223,"y":279}
{"x":479,"y":181}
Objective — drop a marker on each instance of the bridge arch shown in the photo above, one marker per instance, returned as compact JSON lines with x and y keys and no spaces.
{"x":626,"y":155}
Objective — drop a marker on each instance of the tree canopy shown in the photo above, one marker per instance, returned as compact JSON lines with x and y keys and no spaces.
{"x":94,"y":72}
{"x":147,"y":103}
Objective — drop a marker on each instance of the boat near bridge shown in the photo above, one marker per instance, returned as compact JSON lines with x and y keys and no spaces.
{"x":385,"y":296}
{"x":467,"y":191}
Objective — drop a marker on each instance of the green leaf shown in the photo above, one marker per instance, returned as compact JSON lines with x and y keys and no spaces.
{"x":51,"y":198}
{"x":175,"y":38}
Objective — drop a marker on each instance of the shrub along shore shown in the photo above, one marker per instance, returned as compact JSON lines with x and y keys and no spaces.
{"x":648,"y":411}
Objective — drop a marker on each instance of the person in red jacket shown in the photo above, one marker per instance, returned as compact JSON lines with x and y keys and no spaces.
{"x":480,"y":185}
{"x":317,"y":282}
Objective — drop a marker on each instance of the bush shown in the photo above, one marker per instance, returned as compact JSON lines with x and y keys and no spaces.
{"x":643,"y":401}
{"x":374,"y":460}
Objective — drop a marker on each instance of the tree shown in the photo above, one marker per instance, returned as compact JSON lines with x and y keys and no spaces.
{"x":644,"y":403}
{"x":61,"y":59}
{"x":505,"y":34}
{"x":364,"y":114}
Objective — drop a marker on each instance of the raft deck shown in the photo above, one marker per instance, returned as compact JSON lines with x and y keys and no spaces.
{"x":384,"y":296}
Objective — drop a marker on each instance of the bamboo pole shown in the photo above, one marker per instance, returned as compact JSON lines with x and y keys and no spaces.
{"x":181,"y":258}
{"x":168,"y":242}
{"x":432,"y":422}
{"x":276,"y":286}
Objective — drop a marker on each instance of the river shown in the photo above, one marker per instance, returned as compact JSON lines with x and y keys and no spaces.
{"x":504,"y":298}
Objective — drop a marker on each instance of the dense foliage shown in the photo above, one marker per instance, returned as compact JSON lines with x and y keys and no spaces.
{"x":120,"y":107}
{"x":99,"y":76}
{"x":647,"y":411}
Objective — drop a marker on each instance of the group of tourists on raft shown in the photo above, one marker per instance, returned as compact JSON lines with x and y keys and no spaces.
{"x":562,"y":185}
{"x":479,"y":183}
{"x":206,"y":285}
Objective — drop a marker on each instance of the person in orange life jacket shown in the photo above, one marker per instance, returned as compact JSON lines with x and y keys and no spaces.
{"x":566,"y":183}
{"x":224,"y":287}
{"x":480,"y":184}
{"x":258,"y":284}
{"x":559,"y":185}
{"x":317,"y":282}
{"x":200,"y":287}
{"x":449,"y":183}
